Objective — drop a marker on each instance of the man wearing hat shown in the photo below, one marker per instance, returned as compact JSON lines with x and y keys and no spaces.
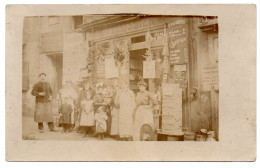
{"x":144,"y":111}
{"x":43,"y":111}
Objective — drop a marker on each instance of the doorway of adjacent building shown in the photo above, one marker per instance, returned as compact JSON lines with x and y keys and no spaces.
{"x":56,"y":72}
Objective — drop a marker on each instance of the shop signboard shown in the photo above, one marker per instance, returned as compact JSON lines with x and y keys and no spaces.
{"x":149,"y":69}
{"x":127,"y":27}
{"x":178,"y":40}
{"x":209,"y":78}
{"x":172,"y":109}
{"x":111,"y":70}
{"x":180,"y":68}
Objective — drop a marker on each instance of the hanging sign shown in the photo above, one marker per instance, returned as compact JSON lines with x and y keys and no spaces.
{"x":100,"y":70}
{"x":178,"y":40}
{"x":172,"y":109}
{"x":111,"y":70}
{"x":180,"y":68}
{"x":149,"y":69}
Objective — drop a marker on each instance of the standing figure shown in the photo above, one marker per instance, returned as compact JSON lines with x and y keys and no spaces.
{"x":126,"y":103}
{"x":68,"y":91}
{"x":143,"y":117}
{"x":108,"y":97}
{"x":114,"y":114}
{"x":82,"y":96}
{"x":87,"y":114}
{"x":43,"y":110}
{"x":65,"y":113}
{"x":101,"y":125}
{"x":99,"y":99}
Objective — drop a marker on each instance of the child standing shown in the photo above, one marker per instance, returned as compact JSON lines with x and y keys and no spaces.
{"x":87,"y":115}
{"x":101,"y":125}
{"x":65,"y":112}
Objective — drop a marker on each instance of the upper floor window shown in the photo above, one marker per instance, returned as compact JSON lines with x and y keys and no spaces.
{"x":138,"y":39}
{"x":78,"y":20}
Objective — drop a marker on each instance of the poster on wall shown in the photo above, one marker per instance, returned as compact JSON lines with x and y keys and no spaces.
{"x":178,"y":40}
{"x":148,"y":69}
{"x":210,"y":78}
{"x":111,"y":70}
{"x":100,"y":70}
{"x":172,"y":109}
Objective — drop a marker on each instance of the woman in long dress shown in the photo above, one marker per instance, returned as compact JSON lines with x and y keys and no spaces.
{"x":143,"y":117}
{"x":126,"y":102}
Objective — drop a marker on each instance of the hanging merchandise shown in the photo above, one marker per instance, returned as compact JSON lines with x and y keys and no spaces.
{"x":121,"y":53}
{"x":99,"y":61}
{"x":165,"y":53}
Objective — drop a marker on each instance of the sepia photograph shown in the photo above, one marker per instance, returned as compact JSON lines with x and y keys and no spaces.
{"x":96,"y":82}
{"x":122,"y":77}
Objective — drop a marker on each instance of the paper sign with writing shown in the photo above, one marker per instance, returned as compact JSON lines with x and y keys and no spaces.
{"x":172,"y":109}
{"x":210,"y":79}
{"x":180,"y":67}
{"x":111,"y":70}
{"x":148,"y":69}
{"x":178,"y":40}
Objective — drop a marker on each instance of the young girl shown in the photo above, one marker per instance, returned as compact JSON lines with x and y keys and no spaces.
{"x":87,"y":115}
{"x":65,"y":113}
{"x":101,"y":125}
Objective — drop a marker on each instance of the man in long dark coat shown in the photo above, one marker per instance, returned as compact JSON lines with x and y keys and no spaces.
{"x":43,"y":111}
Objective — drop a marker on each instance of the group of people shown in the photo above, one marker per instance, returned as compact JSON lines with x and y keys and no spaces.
{"x":113,"y":111}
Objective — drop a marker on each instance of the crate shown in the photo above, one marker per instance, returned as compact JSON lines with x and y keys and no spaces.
{"x":175,"y":138}
{"x":167,"y":126}
{"x":171,"y":132}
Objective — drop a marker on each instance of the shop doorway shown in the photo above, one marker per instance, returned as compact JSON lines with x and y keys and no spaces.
{"x":136,"y":69}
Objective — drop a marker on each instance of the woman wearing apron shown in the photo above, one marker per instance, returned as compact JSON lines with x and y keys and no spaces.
{"x":143,"y":117}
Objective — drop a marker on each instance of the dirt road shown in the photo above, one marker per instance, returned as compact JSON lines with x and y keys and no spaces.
{"x":30,"y":132}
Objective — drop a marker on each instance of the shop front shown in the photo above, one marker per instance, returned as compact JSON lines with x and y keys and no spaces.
{"x":154,"y":49}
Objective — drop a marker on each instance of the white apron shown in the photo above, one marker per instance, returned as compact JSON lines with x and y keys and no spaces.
{"x":87,"y":115}
{"x":126,"y":109}
{"x":114,"y":124}
{"x":143,"y":115}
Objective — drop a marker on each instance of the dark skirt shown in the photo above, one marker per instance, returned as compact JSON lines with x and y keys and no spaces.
{"x":43,"y":112}
{"x":66,"y":118}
